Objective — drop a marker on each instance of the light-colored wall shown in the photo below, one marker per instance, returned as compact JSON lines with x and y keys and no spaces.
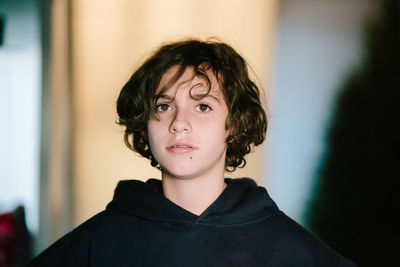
{"x":20,"y":73}
{"x":55,"y":172}
{"x":110,"y":38}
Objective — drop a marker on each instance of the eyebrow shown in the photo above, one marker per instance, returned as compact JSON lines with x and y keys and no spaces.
{"x":201,"y":96}
{"x":164,"y":96}
{"x":208,"y":95}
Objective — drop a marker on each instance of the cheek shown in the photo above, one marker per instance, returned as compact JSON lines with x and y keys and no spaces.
{"x":156,"y":136}
{"x":152,"y":134}
{"x":217,"y":134}
{"x":154,"y":127}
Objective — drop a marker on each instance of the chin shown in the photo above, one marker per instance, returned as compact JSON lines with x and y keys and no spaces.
{"x":180,"y":170}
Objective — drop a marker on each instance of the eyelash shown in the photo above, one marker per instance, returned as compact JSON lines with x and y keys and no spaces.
{"x":208,"y":108}
{"x":202,"y":104}
{"x":160,"y":105}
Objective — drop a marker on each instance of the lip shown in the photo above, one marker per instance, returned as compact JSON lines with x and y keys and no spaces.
{"x":181,"y":150}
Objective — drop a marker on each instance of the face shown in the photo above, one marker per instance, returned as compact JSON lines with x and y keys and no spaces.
{"x":188,"y":138}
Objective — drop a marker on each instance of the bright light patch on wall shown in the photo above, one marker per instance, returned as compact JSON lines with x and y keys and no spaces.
{"x":20,"y":110}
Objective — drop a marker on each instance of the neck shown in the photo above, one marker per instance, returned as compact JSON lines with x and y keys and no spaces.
{"x":193,"y":194}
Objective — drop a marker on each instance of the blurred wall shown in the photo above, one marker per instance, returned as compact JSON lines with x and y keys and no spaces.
{"x":55,"y":143}
{"x":20,"y":99}
{"x":109,"y":40}
{"x":318,"y":43}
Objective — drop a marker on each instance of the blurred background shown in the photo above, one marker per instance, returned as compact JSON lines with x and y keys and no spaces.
{"x":329,"y":70}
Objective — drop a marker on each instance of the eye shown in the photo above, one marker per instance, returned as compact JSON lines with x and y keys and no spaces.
{"x":163,"y":107}
{"x":203,"y":108}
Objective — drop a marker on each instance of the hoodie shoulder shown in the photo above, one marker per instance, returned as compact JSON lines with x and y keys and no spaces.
{"x":90,"y":242}
{"x":70,"y":250}
{"x":295,"y":243}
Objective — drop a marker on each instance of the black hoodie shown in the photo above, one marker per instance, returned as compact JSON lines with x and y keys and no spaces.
{"x":140,"y":227}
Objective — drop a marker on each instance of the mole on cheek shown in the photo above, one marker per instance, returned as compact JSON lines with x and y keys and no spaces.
{"x":191,"y":158}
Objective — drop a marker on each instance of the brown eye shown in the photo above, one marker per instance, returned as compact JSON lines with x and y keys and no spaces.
{"x":203,"y":108}
{"x":163,"y":107}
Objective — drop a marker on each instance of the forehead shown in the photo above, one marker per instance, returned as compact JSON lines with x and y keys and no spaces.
{"x":197,"y":83}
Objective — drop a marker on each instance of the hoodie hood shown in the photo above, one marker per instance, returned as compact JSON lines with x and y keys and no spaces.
{"x":241,"y":202}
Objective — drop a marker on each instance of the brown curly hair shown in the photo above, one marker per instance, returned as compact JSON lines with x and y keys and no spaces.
{"x":247,"y":119}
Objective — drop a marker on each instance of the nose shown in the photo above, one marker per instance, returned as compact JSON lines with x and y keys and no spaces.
{"x":180,"y":122}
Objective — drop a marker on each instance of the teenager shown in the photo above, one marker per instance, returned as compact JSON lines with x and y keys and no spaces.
{"x":193,"y":111}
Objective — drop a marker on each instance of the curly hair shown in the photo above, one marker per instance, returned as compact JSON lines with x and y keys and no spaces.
{"x":246,"y":119}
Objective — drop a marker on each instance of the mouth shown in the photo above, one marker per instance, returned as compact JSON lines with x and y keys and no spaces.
{"x":180,"y":148}
{"x":186,"y":146}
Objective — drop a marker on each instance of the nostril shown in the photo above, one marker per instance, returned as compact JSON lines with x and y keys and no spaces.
{"x":180,"y":124}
